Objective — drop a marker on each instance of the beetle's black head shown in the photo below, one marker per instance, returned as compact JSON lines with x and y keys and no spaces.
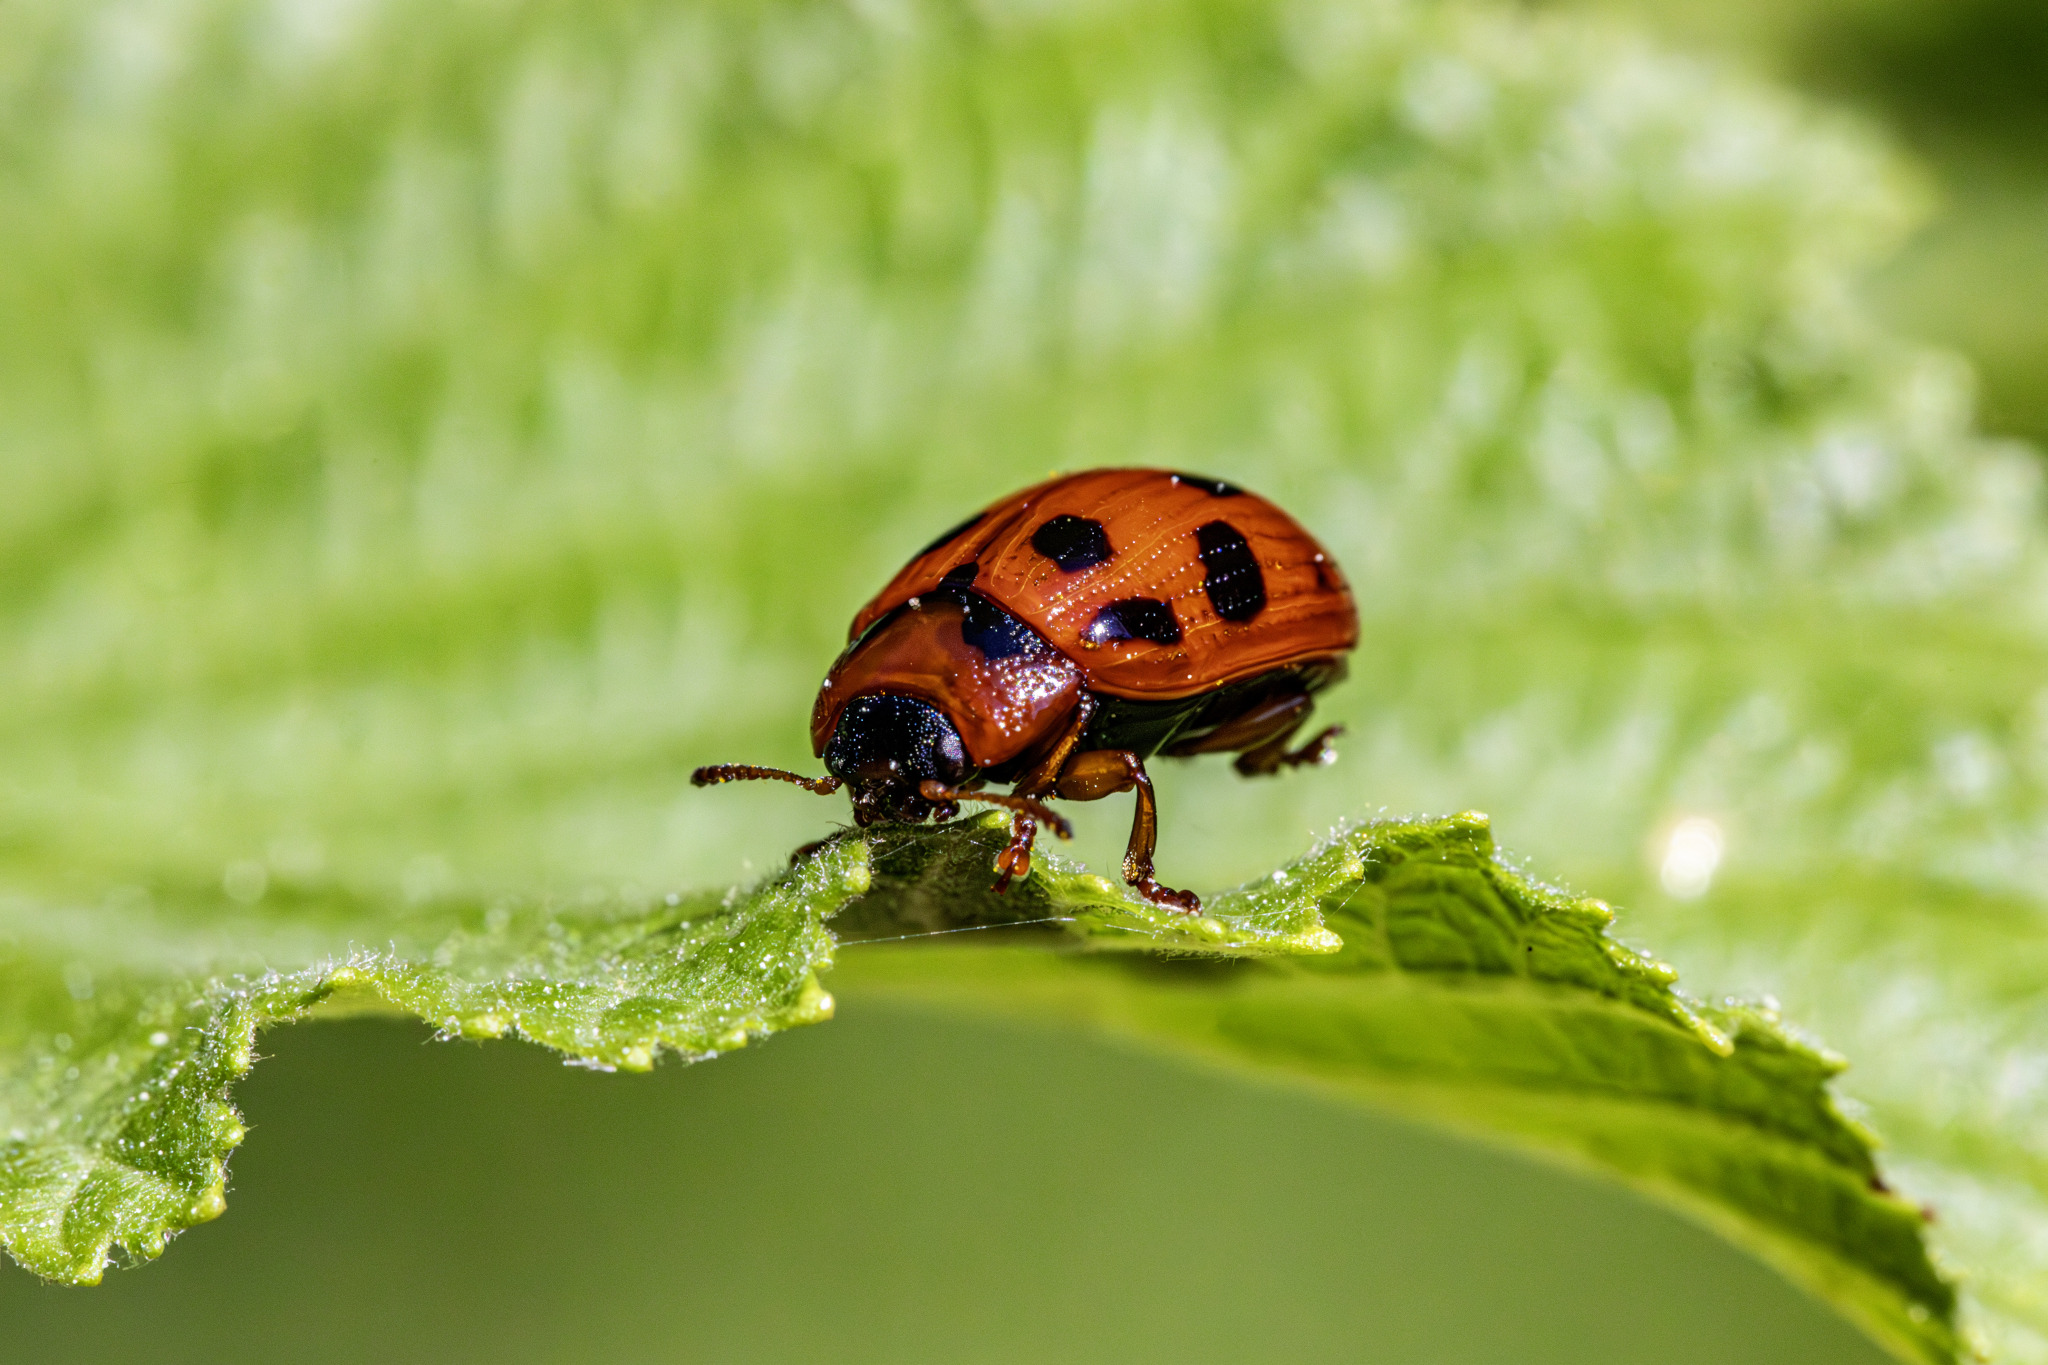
{"x":884,"y":746}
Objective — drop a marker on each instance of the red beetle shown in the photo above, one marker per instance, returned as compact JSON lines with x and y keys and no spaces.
{"x":1060,"y":638}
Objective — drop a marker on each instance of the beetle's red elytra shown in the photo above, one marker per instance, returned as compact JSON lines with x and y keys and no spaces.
{"x":1064,"y":635}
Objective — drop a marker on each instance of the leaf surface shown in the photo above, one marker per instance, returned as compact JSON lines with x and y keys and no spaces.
{"x":1460,"y":992}
{"x":1400,"y":962}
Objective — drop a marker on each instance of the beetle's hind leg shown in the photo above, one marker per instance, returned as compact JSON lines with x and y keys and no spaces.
{"x":1259,"y":737}
{"x":1270,"y":757}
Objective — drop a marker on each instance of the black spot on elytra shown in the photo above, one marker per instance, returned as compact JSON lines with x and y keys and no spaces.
{"x":962,"y":574}
{"x":949,"y":537}
{"x":1215,"y":488}
{"x":990,"y":629}
{"x":1236,"y":587}
{"x":1073,"y":543}
{"x":1134,"y":618}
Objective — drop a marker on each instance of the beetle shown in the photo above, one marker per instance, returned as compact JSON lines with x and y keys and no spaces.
{"x":1060,"y":637}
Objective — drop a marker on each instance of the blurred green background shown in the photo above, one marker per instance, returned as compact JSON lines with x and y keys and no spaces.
{"x":899,"y":1186}
{"x":1962,"y":85}
{"x":432,"y":430}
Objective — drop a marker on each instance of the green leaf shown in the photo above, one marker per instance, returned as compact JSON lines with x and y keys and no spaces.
{"x":114,"y":1115}
{"x":1461,"y":992}
{"x":1401,"y":962}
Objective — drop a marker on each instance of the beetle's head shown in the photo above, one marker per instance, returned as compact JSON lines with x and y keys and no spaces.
{"x":884,"y":746}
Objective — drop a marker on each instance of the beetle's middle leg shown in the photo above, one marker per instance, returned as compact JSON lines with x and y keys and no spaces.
{"x":1103,"y":772}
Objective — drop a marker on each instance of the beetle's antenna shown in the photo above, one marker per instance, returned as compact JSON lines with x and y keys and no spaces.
{"x":748,"y":772}
{"x":1037,"y":810}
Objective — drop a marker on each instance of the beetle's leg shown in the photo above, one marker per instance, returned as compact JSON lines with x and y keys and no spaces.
{"x":1015,"y":861}
{"x":748,"y":772}
{"x":1259,"y":737}
{"x":1040,"y":776}
{"x":1275,"y":717}
{"x":1101,"y":772}
{"x":939,"y":793}
{"x":1274,"y":754}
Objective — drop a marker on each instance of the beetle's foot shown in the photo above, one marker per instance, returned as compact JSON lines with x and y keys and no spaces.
{"x":1187,"y":902}
{"x":1138,"y":874}
{"x":1015,"y":861}
{"x":1321,"y":748}
{"x":1268,"y":759}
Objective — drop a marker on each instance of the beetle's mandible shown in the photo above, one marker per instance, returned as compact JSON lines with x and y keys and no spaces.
{"x":1057,"y":640}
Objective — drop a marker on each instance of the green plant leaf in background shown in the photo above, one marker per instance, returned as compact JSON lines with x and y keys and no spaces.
{"x":1960,"y":83}
{"x":431,"y":430}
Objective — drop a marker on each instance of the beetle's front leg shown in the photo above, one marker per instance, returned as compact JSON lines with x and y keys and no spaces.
{"x":1015,"y":861}
{"x":1102,"y":772}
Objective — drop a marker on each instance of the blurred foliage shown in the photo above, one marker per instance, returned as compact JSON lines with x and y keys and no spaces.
{"x":1962,"y":79}
{"x":1965,"y":84}
{"x":430,"y":430}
